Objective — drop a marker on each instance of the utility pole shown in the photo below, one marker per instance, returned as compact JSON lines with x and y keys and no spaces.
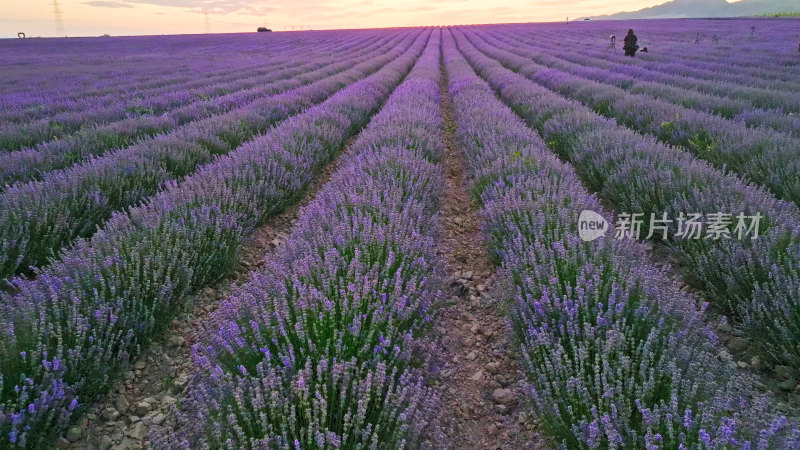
{"x":59,"y":20}
{"x":208,"y":26}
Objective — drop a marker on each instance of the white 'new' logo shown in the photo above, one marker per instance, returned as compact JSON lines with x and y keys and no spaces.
{"x":591,"y":225}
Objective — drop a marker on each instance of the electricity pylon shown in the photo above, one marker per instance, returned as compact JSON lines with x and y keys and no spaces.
{"x":59,"y":19}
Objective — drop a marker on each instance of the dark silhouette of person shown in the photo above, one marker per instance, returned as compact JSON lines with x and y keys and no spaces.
{"x":630,"y":46}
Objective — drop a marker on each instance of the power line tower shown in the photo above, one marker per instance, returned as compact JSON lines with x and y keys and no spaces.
{"x":59,"y":19}
{"x":208,"y":26}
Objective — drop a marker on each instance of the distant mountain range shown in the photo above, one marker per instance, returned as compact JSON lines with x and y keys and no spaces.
{"x":708,"y":8}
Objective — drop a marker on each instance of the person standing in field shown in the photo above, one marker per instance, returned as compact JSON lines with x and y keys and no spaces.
{"x":630,"y":46}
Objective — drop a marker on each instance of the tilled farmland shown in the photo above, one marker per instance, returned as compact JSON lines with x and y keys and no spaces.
{"x":488,"y":237}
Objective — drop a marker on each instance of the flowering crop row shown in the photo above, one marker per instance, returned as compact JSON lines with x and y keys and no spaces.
{"x":67,"y":334}
{"x":85,"y":81}
{"x":724,"y":77}
{"x":35,"y":163}
{"x":616,"y":355}
{"x":766,"y":157}
{"x":170,"y":90}
{"x":755,"y":281}
{"x":756,"y":106}
{"x":20,"y":134}
{"x":120,"y":123}
{"x":37,"y":219}
{"x":324,"y":347}
{"x":766,"y":62}
{"x":727,"y":99}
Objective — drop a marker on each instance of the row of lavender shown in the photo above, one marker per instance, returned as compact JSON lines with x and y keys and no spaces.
{"x":751,"y":106}
{"x":753,"y":280}
{"x":141,"y":66}
{"x":616,"y":355}
{"x":35,"y":163}
{"x":327,"y":346}
{"x":722,"y":75}
{"x":729,"y":73}
{"x":39,"y":218}
{"x":67,"y":334}
{"x":124,"y":109}
{"x":153,"y":79}
{"x":124,"y":119}
{"x":70,"y":54}
{"x":33,"y":125}
{"x":766,"y":59}
{"x":82,"y":98}
{"x":766,"y":157}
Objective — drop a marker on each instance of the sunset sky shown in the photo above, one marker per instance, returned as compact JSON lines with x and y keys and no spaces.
{"x":126,"y":17}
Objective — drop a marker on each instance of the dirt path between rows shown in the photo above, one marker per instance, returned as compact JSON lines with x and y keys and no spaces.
{"x":480,"y":381}
{"x":161,"y":375}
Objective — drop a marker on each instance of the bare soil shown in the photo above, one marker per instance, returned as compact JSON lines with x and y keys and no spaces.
{"x":161,"y":375}
{"x":481,"y":380}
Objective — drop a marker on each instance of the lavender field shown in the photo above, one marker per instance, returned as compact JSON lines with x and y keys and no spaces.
{"x":379,"y":238}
